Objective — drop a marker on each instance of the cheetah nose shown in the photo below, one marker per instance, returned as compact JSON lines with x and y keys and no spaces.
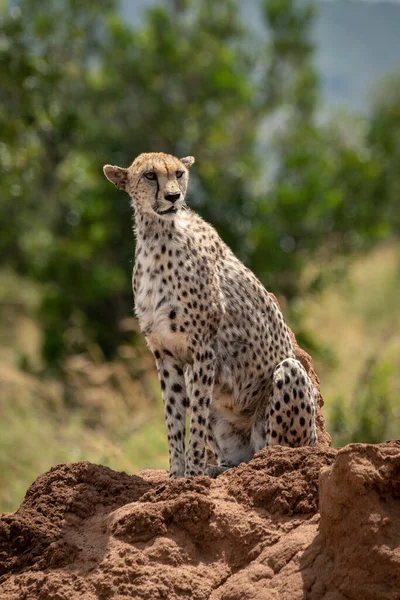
{"x":172,"y":196}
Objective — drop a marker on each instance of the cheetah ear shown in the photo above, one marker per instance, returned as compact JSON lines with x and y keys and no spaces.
{"x":117,"y":175}
{"x":188,"y":161}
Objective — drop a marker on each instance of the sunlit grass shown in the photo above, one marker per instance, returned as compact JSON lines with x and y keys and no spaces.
{"x":99,"y":412}
{"x":358,"y":319}
{"x":34,"y":437}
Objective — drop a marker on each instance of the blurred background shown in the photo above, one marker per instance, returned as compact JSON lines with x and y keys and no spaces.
{"x":292,"y":110}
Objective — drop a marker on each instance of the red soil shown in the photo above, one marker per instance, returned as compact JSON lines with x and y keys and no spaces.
{"x":84,"y":531}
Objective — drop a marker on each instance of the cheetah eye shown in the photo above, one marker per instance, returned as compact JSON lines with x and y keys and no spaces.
{"x":179,"y":174}
{"x":151,"y":176}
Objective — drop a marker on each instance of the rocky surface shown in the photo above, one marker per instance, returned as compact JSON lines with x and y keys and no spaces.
{"x":84,"y":531}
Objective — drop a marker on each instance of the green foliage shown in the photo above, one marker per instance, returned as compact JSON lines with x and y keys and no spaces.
{"x":81,"y":88}
{"x":373,"y":414}
{"x":322,"y":205}
{"x":59,"y":222}
{"x":384,"y":140}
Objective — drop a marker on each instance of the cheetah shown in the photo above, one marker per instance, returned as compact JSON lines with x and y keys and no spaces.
{"x":221,"y":346}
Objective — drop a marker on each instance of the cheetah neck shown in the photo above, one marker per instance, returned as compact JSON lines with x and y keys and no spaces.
{"x":150,"y":227}
{"x":158,"y":243}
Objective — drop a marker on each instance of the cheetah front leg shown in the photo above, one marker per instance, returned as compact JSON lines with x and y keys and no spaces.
{"x":175,"y":400}
{"x":200,"y":383}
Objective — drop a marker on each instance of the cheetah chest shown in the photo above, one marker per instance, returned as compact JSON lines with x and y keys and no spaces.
{"x":157,"y":309}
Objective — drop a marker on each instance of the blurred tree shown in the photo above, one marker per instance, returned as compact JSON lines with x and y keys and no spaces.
{"x":180,"y":82}
{"x":47,"y":51}
{"x":384,"y":142}
{"x":319,"y":203}
{"x":81,"y":88}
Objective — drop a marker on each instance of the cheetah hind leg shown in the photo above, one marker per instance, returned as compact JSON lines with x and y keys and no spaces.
{"x":292,"y":411}
{"x":214,"y":470}
{"x":231,"y":446}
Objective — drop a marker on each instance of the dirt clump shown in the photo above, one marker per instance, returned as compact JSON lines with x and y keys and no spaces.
{"x":85,"y":531}
{"x":360,"y":520}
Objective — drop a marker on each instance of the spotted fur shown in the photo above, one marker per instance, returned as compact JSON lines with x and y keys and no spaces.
{"x":220,"y":343}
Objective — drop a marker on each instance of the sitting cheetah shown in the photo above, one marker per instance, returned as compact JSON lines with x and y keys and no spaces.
{"x":220,"y":343}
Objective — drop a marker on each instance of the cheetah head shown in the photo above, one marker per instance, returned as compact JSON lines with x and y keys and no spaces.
{"x":156,"y":182}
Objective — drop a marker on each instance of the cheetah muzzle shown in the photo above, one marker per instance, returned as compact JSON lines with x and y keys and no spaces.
{"x":221,"y":346}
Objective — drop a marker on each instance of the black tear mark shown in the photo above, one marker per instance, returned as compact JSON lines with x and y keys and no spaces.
{"x":157,"y":186}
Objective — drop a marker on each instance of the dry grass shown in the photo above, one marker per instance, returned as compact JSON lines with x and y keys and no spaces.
{"x":109,"y":413}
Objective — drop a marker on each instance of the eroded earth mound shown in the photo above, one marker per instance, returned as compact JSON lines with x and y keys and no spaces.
{"x":311,"y":523}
